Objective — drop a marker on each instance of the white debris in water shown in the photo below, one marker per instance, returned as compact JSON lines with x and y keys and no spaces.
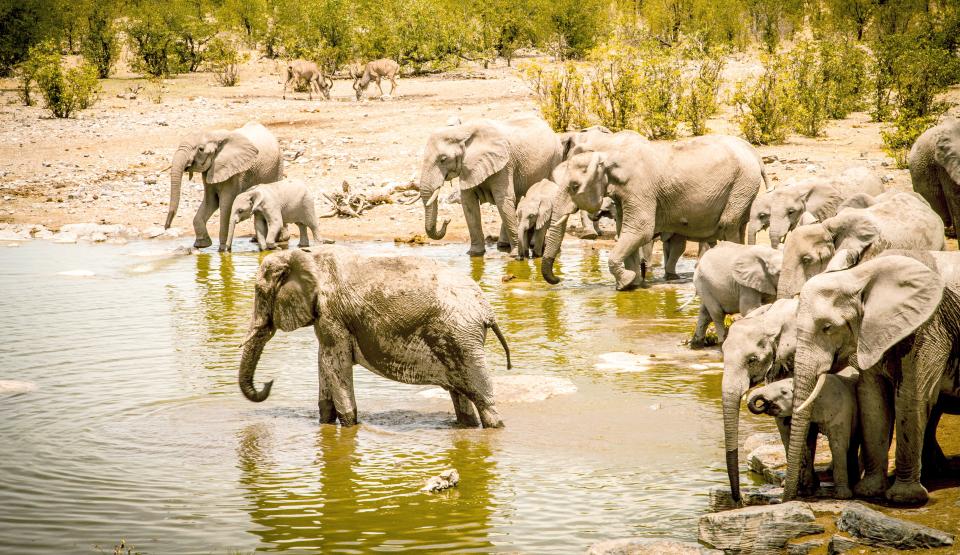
{"x":522,"y":388}
{"x":623,"y":362}
{"x":519,"y":291}
{"x":656,"y":406}
{"x":445,"y":480}
{"x":699,"y":366}
{"x":77,"y":273}
{"x":14,"y":387}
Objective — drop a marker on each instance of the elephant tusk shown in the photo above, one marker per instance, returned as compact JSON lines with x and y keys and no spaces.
{"x":563,"y":220}
{"x":433,"y":197}
{"x":813,"y":395}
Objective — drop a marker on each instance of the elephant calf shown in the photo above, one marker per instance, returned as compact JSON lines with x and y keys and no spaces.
{"x":272,"y":206}
{"x":732,"y":278}
{"x":835,"y":414}
{"x":403,"y":318}
{"x":533,"y":217}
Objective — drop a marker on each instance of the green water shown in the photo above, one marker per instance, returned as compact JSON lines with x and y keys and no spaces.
{"x":136,"y":428}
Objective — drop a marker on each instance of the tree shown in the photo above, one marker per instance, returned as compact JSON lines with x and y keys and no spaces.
{"x":100,"y":44}
{"x":576,"y":25}
{"x":23,"y":23}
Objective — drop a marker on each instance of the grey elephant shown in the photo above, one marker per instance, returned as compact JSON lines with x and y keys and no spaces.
{"x":895,"y":320}
{"x":759,"y":216}
{"x":819,"y":197}
{"x":496,"y":162}
{"x":272,"y":206}
{"x":759,"y":349}
{"x":310,"y":74}
{"x":934,"y":163}
{"x":900,"y":221}
{"x":423,"y":325}
{"x":230,"y":162}
{"x":659,"y":188}
{"x":732,"y":278}
{"x":834,"y":413}
{"x":533,"y":217}
{"x":373,"y":72}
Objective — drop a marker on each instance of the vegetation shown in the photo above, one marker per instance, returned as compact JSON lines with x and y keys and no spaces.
{"x":65,"y":90}
{"x":763,"y":109}
{"x":224,"y":59}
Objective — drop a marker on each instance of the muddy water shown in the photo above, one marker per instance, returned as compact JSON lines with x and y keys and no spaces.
{"x":129,"y":423}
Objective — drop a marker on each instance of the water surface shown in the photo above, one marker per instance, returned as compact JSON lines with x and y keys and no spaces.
{"x":137,"y":430}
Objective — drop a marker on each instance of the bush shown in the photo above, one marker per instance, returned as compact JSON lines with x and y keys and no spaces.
{"x":152,"y":41}
{"x":660,"y":92}
{"x":763,"y":109}
{"x":807,"y":87}
{"x":101,"y":44}
{"x":613,"y":90}
{"x":560,"y":94}
{"x":700,"y":100}
{"x":224,"y":59}
{"x":67,"y":90}
{"x":898,"y":139}
{"x":39,"y":56}
{"x":844,"y":67}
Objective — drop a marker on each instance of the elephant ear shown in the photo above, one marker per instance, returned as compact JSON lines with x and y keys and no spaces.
{"x":822,"y":200}
{"x":758,"y":268}
{"x":947,"y":150}
{"x":544,"y":210}
{"x":853,"y":233}
{"x":236,"y":154}
{"x":256,"y":198}
{"x":295,"y":304}
{"x":486,"y":151}
{"x":898,"y":294}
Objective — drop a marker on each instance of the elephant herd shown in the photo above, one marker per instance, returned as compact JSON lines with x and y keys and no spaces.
{"x":851,"y":325}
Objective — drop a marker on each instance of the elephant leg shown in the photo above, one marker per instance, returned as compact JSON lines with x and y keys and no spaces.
{"x":628,"y":244}
{"x":207,"y":207}
{"x":304,"y":239}
{"x":735,"y":215}
{"x":466,"y":416}
{"x":328,"y":411}
{"x":273,"y":231}
{"x":477,"y":387}
{"x":749,"y":300}
{"x":638,"y":265}
{"x":839,"y":448}
{"x":809,"y":482}
{"x":934,"y":462}
{"x":507,"y":205}
{"x":260,"y":227}
{"x":470,"y":203}
{"x":700,"y":333}
{"x":718,"y":315}
{"x":503,"y":240}
{"x":227,"y":193}
{"x":673,"y":249}
{"x":952,"y":194}
{"x":336,"y":372}
{"x":873,"y":399}
{"x":590,"y":228}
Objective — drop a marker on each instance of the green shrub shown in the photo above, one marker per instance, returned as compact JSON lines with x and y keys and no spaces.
{"x":224,"y":59}
{"x":101,"y":44}
{"x":660,"y":92}
{"x":39,"y":56}
{"x":807,"y":88}
{"x":152,"y":41}
{"x":67,"y":90}
{"x":763,"y":109}
{"x":898,"y":140}
{"x":845,"y":79}
{"x":560,"y":94}
{"x":613,"y":88}
{"x":700,"y":98}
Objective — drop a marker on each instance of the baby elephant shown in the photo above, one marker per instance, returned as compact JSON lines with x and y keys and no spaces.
{"x":533,"y":217}
{"x":835,"y":414}
{"x":273,"y":205}
{"x":404,"y":318}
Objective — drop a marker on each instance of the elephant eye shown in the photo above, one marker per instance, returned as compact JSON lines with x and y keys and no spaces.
{"x":443,"y":157}
{"x":752,"y":358}
{"x":764,"y":215}
{"x":806,"y":259}
{"x":790,"y":210}
{"x":827,"y":327}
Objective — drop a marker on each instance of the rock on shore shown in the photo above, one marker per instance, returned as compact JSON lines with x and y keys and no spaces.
{"x":761,"y":529}
{"x":646,"y":546}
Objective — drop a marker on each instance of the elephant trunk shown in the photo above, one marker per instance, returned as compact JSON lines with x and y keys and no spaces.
{"x":735,"y":384}
{"x":234,"y":220}
{"x":757,"y":404}
{"x":811,"y":362}
{"x":563,"y":207}
{"x":180,"y":161}
{"x":752,"y":235}
{"x":523,"y":236}
{"x":777,"y":234}
{"x":252,"y":349}
{"x":431,"y":179}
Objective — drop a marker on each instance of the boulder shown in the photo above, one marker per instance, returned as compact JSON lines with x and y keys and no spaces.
{"x":445,"y":480}
{"x":721,"y":499}
{"x":875,"y":528}
{"x":840,"y":544}
{"x":760,"y":529}
{"x":65,"y":237}
{"x":644,"y":546}
{"x":153,"y":232}
{"x":803,"y":548}
{"x":769,"y":459}
{"x":11,"y":235}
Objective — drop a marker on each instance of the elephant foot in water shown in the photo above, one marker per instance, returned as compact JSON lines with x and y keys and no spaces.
{"x":670,"y":276}
{"x":843,"y":492}
{"x":202,"y":242}
{"x":907,"y":493}
{"x":625,"y":282}
{"x":328,"y":414}
{"x":503,"y":247}
{"x":476,"y":251}
{"x":872,"y":485}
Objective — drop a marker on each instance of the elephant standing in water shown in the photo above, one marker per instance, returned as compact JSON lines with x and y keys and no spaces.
{"x":230,"y":162}
{"x":935,"y":170}
{"x":898,"y":322}
{"x":497,"y":162}
{"x":701,"y":189}
{"x":403,"y":318}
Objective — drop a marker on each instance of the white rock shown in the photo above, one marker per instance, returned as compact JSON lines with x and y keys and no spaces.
{"x":445,"y":480}
{"x":98,"y":237}
{"x":623,"y":362}
{"x":153,"y":232}
{"x":65,"y":237}
{"x":10,"y":235}
{"x":173,"y":233}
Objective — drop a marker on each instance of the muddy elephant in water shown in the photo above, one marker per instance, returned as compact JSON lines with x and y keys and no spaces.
{"x":230,"y":162}
{"x":759,"y":349}
{"x":424,"y":325}
{"x":901,"y":221}
{"x":934,"y":163}
{"x":897,"y":321}
{"x":659,"y":188}
{"x":497,"y":162}
{"x":818,"y":198}
{"x":732,"y":278}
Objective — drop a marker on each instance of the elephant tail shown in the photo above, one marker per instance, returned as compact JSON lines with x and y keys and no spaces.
{"x":763,"y":175}
{"x":503,"y":341}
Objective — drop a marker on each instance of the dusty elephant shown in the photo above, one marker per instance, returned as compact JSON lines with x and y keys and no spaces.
{"x":273,"y":205}
{"x":895,"y":320}
{"x":497,"y":162}
{"x":424,"y":325}
{"x":934,"y":163}
{"x":659,"y":188}
{"x":901,"y":221}
{"x":759,"y":349}
{"x":533,"y":217}
{"x":835,"y":414}
{"x":732,"y":278}
{"x":230,"y":162}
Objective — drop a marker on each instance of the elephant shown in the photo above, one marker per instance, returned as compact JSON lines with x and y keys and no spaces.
{"x":818,"y":197}
{"x":497,"y":162}
{"x":759,"y":216}
{"x":404,"y":318}
{"x":900,"y":221}
{"x":835,"y":414}
{"x":309,"y":73}
{"x":732,"y":278}
{"x":273,"y":205}
{"x":759,"y":349}
{"x":230,"y":162}
{"x":934,"y":162}
{"x":897,"y":321}
{"x":700,"y":188}
{"x":375,"y":71}
{"x":533,"y":217}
